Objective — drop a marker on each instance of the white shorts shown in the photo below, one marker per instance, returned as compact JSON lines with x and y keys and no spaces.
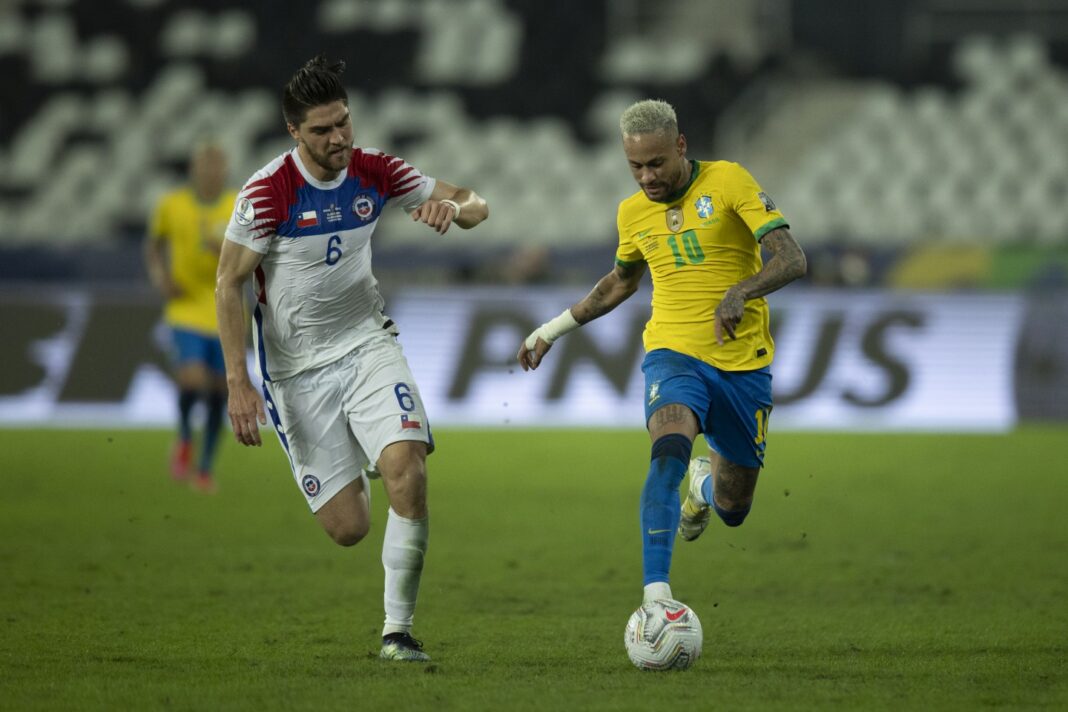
{"x":334,"y":420}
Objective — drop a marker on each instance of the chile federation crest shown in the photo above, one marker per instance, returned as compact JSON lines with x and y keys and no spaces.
{"x":364,"y":207}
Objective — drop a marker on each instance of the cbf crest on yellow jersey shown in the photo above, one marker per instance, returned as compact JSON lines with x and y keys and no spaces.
{"x":194,"y":232}
{"x":698,"y":245}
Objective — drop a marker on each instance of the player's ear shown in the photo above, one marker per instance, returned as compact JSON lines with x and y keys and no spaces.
{"x":293,"y":131}
{"x":680,"y":143}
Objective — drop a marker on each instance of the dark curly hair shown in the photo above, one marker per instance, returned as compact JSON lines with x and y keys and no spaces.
{"x":318,"y":82}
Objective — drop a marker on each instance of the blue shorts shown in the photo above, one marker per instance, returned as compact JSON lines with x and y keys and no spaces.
{"x":732,"y":407}
{"x":194,"y":347}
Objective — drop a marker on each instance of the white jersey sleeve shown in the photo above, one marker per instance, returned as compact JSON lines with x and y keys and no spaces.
{"x":258,"y":211}
{"x":405,"y":184}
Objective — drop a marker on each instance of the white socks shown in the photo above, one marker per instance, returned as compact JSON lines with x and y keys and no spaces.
{"x":657,"y":591}
{"x":402,"y":557}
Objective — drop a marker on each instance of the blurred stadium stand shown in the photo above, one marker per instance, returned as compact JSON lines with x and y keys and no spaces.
{"x":915,"y":144}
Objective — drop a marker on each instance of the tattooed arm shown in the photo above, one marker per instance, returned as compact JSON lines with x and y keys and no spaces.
{"x":610,"y":291}
{"x":787,"y":263}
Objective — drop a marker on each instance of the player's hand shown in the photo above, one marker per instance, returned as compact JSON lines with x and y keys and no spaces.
{"x":436,"y":214}
{"x":246,"y":411}
{"x":167,"y":287}
{"x":171,"y":290}
{"x":529,"y":359}
{"x":728,"y":315}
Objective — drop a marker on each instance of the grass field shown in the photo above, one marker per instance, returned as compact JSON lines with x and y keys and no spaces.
{"x":876,"y":572}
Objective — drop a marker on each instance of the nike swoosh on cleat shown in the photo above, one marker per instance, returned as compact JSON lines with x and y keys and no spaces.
{"x":652,"y":532}
{"x":676,"y":615}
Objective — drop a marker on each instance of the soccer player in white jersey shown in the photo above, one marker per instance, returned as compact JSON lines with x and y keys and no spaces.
{"x":336,"y":385}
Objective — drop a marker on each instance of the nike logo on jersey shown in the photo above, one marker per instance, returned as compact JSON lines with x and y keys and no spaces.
{"x":674,"y":616}
{"x":643,"y":233}
{"x":654,"y":532}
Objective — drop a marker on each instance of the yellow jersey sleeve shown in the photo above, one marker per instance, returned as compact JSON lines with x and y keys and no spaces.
{"x":744,"y":196}
{"x":628,"y":252}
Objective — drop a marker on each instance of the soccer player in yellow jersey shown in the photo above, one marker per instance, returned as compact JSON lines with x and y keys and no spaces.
{"x":182,"y":255}
{"x":698,"y":226}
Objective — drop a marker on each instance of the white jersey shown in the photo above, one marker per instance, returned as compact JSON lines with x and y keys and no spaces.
{"x":316,"y":297}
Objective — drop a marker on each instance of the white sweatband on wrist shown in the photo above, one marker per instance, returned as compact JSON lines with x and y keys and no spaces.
{"x":553,"y":329}
{"x":455,"y":207}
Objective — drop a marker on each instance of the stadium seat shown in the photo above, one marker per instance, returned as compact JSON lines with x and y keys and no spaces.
{"x":476,"y":93}
{"x":53,"y":49}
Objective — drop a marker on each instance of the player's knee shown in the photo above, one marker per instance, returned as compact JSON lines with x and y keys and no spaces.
{"x":350,"y":533}
{"x":674,"y":446}
{"x":733,"y":516}
{"x":405,"y":482}
{"x":669,"y":459}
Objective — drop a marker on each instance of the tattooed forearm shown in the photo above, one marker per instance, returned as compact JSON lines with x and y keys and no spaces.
{"x":598,"y":302}
{"x":611,"y":291}
{"x":786,"y":264}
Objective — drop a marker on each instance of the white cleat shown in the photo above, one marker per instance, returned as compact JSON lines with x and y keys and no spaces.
{"x":696,"y":513}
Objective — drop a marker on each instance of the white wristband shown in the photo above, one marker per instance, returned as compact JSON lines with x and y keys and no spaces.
{"x":553,"y":329}
{"x":455,"y":208}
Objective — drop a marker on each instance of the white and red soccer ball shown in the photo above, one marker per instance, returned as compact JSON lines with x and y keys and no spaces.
{"x":663,"y":635}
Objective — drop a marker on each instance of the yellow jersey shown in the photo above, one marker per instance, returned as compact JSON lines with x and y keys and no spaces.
{"x":698,"y":244}
{"x":194,"y":233}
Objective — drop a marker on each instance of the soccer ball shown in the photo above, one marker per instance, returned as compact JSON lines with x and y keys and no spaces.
{"x":663,"y":635}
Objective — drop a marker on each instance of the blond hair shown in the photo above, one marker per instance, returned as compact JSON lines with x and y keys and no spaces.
{"x":649,"y":116}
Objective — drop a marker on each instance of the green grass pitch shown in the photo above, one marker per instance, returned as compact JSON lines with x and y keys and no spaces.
{"x":875,"y":572}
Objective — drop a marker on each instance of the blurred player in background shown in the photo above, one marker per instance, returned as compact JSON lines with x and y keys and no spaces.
{"x":182,"y":256}
{"x":338,"y":388}
{"x":699,"y":227}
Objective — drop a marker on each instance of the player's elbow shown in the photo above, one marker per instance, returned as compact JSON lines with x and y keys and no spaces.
{"x":794,"y":265}
{"x":801,"y":267}
{"x":474,"y":212}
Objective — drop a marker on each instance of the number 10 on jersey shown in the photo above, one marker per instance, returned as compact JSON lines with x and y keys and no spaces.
{"x":694,"y":254}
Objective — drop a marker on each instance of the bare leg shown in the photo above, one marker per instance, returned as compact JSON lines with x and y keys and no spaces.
{"x":346,"y":517}
{"x":194,"y":376}
{"x":734,"y":484}
{"x":403,"y":468}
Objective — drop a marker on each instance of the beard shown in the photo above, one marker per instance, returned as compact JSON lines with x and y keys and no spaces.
{"x":661,"y":190}
{"x":335,"y":160}
{"x":656,"y":191}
